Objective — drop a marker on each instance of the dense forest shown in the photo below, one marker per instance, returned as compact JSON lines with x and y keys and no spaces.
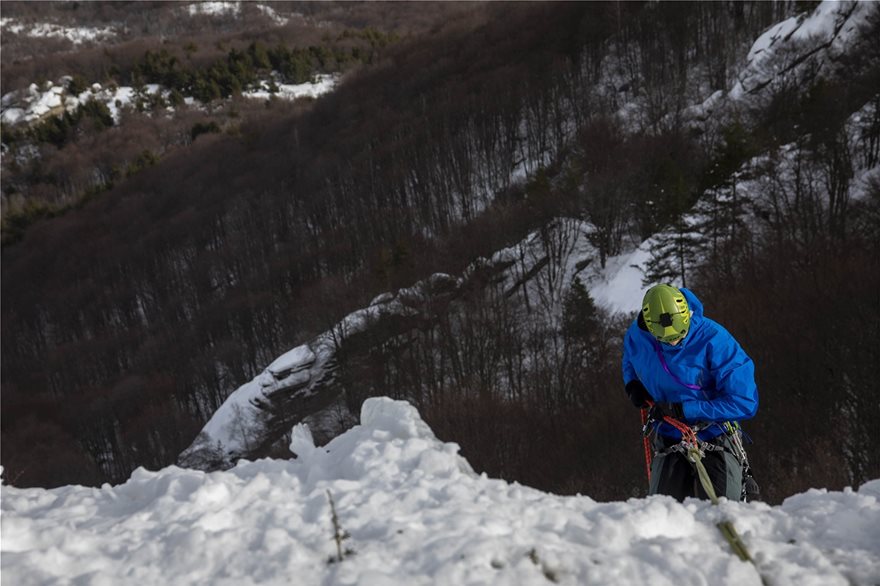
{"x":159,"y":263}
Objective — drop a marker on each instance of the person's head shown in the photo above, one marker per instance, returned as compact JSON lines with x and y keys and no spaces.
{"x":666,"y":313}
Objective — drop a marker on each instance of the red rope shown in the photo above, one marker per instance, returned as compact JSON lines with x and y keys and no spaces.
{"x":647,"y":443}
{"x":688,"y":436}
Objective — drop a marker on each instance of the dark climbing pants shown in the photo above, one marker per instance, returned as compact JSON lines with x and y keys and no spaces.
{"x":674,"y":475}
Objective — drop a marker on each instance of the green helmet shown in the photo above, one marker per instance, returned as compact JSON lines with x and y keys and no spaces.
{"x":666,"y":313}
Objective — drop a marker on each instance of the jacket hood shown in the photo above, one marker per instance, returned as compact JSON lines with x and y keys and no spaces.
{"x":696,"y":307}
{"x":694,"y":303}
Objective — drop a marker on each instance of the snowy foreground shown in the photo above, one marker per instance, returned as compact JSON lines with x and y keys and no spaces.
{"x":416,"y":514}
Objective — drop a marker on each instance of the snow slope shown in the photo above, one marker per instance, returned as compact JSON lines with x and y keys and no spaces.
{"x":415,"y":513}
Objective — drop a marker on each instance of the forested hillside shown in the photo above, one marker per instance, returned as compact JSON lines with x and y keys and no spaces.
{"x":136,"y":300}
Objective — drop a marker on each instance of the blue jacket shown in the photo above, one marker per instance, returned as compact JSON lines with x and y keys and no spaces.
{"x":709,"y":357}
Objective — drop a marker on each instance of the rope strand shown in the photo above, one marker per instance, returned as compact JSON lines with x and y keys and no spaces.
{"x":647,"y":444}
{"x":695,"y":455}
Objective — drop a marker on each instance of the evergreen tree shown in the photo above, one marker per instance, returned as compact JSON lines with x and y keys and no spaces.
{"x":674,"y":253}
{"x":580,"y":318}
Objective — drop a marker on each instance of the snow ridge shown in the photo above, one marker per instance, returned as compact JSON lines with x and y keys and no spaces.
{"x":302,"y":381}
{"x":416,"y":514}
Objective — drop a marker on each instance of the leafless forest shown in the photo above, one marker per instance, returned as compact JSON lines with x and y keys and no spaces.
{"x":151,"y":269}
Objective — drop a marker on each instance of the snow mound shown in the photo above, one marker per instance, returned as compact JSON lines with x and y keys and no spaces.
{"x":391,"y":443}
{"x":396,"y":417}
{"x":415,"y":513}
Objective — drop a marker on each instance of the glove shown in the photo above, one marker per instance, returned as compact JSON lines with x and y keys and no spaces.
{"x":637,"y":393}
{"x":659,"y":410}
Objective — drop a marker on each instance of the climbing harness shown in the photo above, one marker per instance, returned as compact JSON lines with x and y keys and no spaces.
{"x":750,"y":489}
{"x":695,"y":450}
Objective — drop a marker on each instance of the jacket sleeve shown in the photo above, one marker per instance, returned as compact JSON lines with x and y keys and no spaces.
{"x":629,"y":372}
{"x":736,"y":394}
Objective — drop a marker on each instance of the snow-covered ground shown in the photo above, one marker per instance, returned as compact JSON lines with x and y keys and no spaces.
{"x":321,"y":85}
{"x":213,"y":8}
{"x":226,"y":8}
{"x":76,"y":35}
{"x":35,"y":103}
{"x":415,"y":513}
{"x":618,"y":288}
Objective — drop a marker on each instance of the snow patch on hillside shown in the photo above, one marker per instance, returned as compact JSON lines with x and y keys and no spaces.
{"x":548,"y":261}
{"x":37,"y":103}
{"x":76,"y":35}
{"x":214,"y":8}
{"x":619,"y":289}
{"x":321,"y":85}
{"x":272,"y":15}
{"x":223,"y":8}
{"x":416,"y":513}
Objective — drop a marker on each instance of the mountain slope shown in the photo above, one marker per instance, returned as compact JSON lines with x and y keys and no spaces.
{"x":544,"y":265}
{"x":153,"y":302}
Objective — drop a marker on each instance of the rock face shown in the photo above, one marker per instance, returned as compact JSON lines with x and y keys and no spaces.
{"x":803,"y":47}
{"x":304,"y":382}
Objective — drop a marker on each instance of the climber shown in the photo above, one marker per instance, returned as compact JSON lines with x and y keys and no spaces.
{"x":683,"y":365}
